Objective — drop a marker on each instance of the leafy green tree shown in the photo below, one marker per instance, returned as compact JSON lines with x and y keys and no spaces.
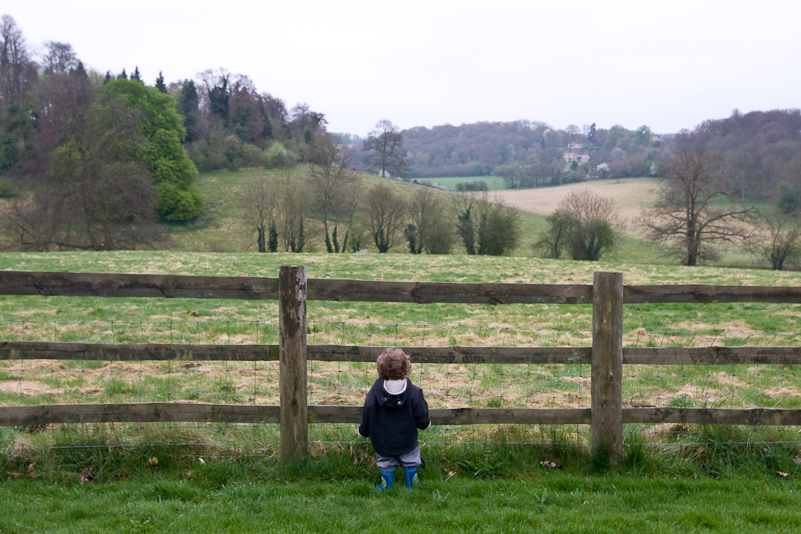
{"x":170,"y":167}
{"x":585,"y":225}
{"x":90,"y":188}
{"x":278,"y":157}
{"x":789,"y":198}
{"x":499,"y":230}
{"x":434,"y":229}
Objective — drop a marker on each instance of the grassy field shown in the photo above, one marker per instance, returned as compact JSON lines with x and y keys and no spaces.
{"x":213,"y":478}
{"x":494,"y":183}
{"x":94,"y":320}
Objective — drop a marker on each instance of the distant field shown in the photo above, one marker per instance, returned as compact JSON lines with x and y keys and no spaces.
{"x":633,"y":195}
{"x":493,"y":182}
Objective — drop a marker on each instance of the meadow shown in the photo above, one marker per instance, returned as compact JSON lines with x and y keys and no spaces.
{"x":214,"y":477}
{"x":494,"y":183}
{"x":204,"y":321}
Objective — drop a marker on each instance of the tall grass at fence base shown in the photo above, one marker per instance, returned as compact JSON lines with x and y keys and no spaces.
{"x":96,"y":453}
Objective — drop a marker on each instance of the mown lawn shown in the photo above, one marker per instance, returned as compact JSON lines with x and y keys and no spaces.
{"x":551,"y":502}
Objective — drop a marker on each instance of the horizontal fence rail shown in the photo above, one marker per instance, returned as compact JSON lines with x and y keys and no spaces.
{"x":607,"y":294}
{"x":176,"y":412}
{"x":44,"y":350}
{"x":51,"y":284}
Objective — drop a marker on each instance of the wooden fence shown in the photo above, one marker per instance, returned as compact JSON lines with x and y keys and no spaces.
{"x":606,"y":356}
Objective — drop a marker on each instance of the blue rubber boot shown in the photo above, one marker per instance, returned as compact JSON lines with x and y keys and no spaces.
{"x":411,"y":477}
{"x":386,"y":480}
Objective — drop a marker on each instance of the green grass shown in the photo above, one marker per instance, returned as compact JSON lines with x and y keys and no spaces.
{"x":555,"y":502}
{"x":497,"y":487}
{"x":202,"y":321}
{"x":451,"y":182}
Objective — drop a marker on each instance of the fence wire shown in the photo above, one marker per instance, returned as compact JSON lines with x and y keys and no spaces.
{"x":33,"y":382}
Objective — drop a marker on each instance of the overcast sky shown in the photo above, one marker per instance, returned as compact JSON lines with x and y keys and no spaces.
{"x":670,"y":65}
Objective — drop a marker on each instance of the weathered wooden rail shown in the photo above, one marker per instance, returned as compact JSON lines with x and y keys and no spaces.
{"x":606,"y":356}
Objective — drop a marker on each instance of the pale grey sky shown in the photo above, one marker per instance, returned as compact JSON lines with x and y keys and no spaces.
{"x":670,"y":65}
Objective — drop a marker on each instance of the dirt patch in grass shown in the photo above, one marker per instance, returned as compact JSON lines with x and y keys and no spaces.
{"x":784,"y":391}
{"x":28,"y":387}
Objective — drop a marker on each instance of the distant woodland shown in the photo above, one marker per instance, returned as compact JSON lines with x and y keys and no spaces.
{"x":115,"y":155}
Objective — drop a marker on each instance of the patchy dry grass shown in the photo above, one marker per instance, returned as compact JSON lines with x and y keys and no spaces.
{"x":633,"y":195}
{"x":95,"y":320}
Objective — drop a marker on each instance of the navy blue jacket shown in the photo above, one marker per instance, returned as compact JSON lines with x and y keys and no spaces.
{"x":391,"y":421}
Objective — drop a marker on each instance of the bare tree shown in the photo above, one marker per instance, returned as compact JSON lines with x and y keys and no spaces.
{"x":17,"y":78}
{"x":777,"y":239}
{"x":58,"y":58}
{"x":292,"y":212}
{"x":17,"y":71}
{"x":384,"y":152}
{"x":687,"y":215}
{"x":385,"y":213}
{"x":260,"y":205}
{"x":335,"y":189}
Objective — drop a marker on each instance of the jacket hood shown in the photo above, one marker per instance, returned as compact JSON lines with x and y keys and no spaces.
{"x":388,"y":400}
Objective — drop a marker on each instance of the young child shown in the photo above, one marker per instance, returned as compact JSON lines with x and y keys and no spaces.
{"x":393,"y":411}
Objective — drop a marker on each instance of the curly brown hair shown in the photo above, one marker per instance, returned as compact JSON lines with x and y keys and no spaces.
{"x":393,"y":364}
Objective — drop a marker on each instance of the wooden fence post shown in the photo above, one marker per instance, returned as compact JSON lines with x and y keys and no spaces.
{"x":292,"y":330}
{"x":607,"y":368}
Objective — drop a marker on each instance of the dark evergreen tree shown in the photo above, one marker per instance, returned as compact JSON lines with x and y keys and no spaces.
{"x":272,"y":242}
{"x":466,"y":231}
{"x":188,"y":108}
{"x":413,"y":237}
{"x":160,"y":83}
{"x":79,"y":71}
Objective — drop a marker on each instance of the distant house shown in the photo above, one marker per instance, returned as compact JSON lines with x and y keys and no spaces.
{"x":571,"y":155}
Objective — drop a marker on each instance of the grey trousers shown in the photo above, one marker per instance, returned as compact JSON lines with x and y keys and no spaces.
{"x":410,"y":459}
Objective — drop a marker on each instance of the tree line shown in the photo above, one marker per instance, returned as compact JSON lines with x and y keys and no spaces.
{"x":531,"y":154}
{"x":327,"y":201}
{"x":98,"y":162}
